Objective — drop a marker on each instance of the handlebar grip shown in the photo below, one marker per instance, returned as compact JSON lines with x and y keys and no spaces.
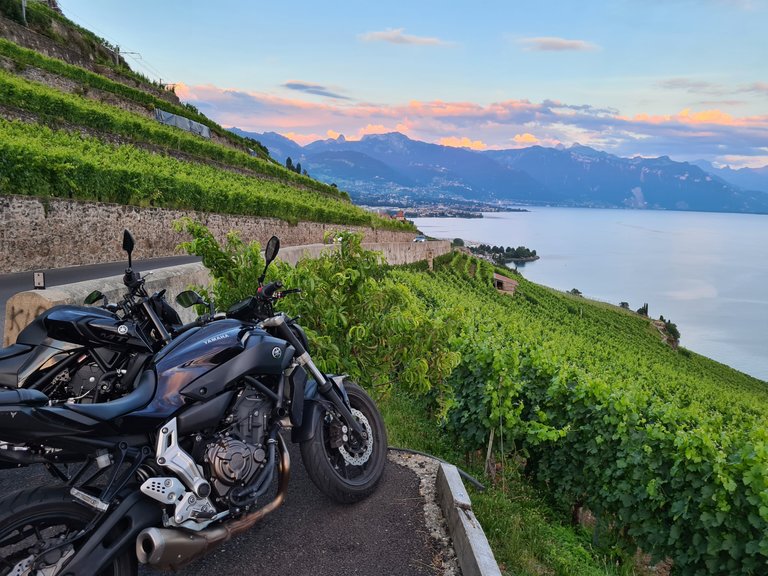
{"x":268,"y":290}
{"x":184,"y":327}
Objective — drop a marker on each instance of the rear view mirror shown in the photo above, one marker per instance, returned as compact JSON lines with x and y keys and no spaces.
{"x":270,"y":253}
{"x":128,"y":245}
{"x":189,"y":298}
{"x":93,"y":297}
{"x":273,"y":247}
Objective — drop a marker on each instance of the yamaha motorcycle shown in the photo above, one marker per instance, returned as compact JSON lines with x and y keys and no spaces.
{"x":86,"y":353}
{"x":189,"y":458}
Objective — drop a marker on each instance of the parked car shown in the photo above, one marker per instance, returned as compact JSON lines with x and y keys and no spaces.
{"x":420,"y":238}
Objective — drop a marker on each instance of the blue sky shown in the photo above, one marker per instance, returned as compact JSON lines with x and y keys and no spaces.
{"x":683,"y":78}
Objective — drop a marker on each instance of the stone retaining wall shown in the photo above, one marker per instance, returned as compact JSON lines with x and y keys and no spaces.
{"x":46,"y":233}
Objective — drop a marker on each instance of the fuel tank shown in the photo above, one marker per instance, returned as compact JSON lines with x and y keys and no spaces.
{"x":82,"y":326}
{"x":202,"y":363}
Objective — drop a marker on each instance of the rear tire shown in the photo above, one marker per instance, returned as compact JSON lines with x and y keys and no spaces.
{"x":347,"y":471}
{"x":43,"y":516}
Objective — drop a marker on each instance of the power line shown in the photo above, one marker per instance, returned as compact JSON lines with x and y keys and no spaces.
{"x":136,"y":57}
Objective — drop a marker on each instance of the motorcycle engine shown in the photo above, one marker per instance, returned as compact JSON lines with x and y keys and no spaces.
{"x":235,"y":455}
{"x":75,"y":383}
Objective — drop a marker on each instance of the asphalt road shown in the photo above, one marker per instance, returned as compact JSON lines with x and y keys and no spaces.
{"x":309,"y":535}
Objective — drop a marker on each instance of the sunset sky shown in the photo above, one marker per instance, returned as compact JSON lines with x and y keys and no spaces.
{"x":682,"y":78}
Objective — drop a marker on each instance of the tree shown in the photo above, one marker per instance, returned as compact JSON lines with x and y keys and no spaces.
{"x":672,"y":330}
{"x":458,"y":242}
{"x":289,"y":163}
{"x":624,"y":305}
{"x":298,"y":167}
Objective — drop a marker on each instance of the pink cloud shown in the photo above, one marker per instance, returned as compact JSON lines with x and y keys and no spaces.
{"x":374,"y":129}
{"x":527,"y":139}
{"x":463,"y":142}
{"x":302,"y":139}
{"x":694,"y":134}
{"x":705,"y":117}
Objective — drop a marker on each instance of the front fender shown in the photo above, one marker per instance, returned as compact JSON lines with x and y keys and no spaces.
{"x":314,"y":409}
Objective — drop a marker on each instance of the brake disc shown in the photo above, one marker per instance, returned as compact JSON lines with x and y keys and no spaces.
{"x":358,"y":455}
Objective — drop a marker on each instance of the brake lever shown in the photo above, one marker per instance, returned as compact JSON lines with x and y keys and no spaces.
{"x":285,"y":293}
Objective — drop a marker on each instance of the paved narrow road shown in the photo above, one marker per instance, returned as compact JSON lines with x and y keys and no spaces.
{"x":384,"y":535}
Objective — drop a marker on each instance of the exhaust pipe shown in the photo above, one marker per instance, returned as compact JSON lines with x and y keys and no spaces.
{"x":173,"y":548}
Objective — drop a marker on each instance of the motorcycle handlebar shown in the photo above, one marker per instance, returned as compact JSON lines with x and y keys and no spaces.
{"x":268,"y":290}
{"x":189,"y":325}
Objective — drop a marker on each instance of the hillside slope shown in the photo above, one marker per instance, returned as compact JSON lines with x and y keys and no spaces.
{"x":78,"y":123}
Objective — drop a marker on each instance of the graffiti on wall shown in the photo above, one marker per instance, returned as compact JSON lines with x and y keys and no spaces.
{"x":18,"y":317}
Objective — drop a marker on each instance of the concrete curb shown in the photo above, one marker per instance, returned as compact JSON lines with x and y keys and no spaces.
{"x":472,"y":548}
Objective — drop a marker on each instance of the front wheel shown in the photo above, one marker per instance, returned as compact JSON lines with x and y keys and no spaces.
{"x":344,"y":467}
{"x":36,"y":528}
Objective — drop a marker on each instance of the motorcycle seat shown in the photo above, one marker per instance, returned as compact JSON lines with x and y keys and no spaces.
{"x":11,"y":360}
{"x":139,"y":398}
{"x":23,"y":397}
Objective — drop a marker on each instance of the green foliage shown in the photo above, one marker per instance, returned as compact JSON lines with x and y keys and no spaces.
{"x":502,"y":255}
{"x":525,"y":534}
{"x":672,"y":330}
{"x":11,"y":9}
{"x":365,"y":323}
{"x":235,"y":267}
{"x":669,"y":449}
{"x":359,"y":321}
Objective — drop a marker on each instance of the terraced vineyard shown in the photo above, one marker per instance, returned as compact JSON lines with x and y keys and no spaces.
{"x":60,"y":139}
{"x":668,"y":447}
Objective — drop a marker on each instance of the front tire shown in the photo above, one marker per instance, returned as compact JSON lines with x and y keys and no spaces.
{"x":34,"y":520}
{"x":348,"y":470}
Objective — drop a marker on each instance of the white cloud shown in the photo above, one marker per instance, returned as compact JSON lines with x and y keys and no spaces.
{"x":554,"y":44}
{"x":398,"y":36}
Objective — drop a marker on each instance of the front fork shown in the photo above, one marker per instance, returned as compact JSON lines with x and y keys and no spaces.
{"x":324,"y":384}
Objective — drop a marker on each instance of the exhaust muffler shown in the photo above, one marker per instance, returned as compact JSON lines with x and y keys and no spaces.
{"x":173,"y":548}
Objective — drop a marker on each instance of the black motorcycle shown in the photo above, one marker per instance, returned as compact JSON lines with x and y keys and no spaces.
{"x":187,"y":459}
{"x":86,"y":353}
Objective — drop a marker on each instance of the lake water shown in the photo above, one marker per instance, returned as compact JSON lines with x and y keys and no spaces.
{"x":707,"y":273}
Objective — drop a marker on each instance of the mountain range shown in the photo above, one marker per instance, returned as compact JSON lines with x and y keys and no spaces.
{"x":392,"y":169}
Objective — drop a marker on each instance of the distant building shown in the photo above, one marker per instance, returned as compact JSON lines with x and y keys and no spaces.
{"x":504,"y":284}
{"x":400,"y":216}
